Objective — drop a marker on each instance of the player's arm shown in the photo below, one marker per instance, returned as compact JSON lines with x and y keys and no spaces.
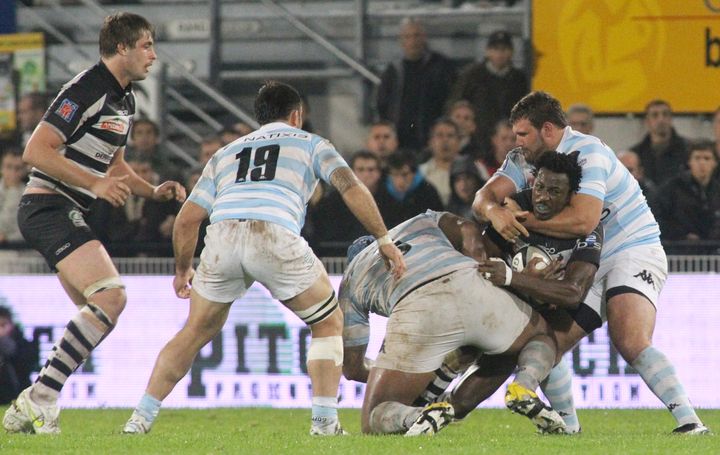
{"x":465,"y":236}
{"x":141,"y":187}
{"x":362,"y":205}
{"x":488,"y":206}
{"x":577,"y":219}
{"x":356,"y":367}
{"x":185,"y":237}
{"x":567,"y":293}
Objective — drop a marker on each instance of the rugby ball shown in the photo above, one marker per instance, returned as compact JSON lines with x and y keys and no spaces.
{"x":521,"y":259}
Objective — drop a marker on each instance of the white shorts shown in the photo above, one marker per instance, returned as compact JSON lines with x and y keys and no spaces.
{"x":239,"y":252}
{"x":641,"y":270}
{"x":459,"y":309}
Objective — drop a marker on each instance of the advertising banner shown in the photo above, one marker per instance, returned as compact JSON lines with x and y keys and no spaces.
{"x":616,"y":55}
{"x":259,"y":357}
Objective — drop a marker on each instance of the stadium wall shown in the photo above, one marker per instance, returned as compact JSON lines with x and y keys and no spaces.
{"x":259,"y":358}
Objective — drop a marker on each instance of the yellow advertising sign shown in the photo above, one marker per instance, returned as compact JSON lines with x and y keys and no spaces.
{"x":616,"y":55}
{"x":19,"y":41}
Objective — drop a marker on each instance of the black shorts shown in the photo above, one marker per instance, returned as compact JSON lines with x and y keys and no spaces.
{"x":53,"y":225}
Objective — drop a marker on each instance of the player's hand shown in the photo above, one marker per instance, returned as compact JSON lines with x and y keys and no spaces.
{"x":507,"y":223}
{"x":494,"y":270}
{"x":169,"y":190}
{"x":182,"y":282}
{"x":112,"y":189}
{"x":394,"y":260}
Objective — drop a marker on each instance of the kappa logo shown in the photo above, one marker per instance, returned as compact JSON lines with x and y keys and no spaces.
{"x":67,"y":110}
{"x":646,"y":277}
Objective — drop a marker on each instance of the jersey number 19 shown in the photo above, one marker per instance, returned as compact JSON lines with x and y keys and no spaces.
{"x":264,"y":160}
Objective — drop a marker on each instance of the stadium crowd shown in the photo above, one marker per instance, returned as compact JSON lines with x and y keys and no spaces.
{"x":428,"y":152}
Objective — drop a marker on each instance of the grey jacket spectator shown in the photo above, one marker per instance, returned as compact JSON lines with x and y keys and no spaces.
{"x":18,"y":358}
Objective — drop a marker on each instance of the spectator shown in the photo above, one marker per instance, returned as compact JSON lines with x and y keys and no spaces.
{"x":408,"y":192}
{"x":502,"y":141}
{"x":242,"y":128}
{"x":382,"y":140}
{"x":208,"y":147}
{"x":461,"y":112}
{"x":12,"y":184}
{"x":141,"y":227}
{"x":336,"y":227}
{"x":145,"y":144}
{"x":687,"y":206}
{"x":662,"y":152}
{"x":413,"y":91}
{"x":631,"y":161}
{"x":465,"y":181}
{"x":492,"y":86}
{"x":228,"y":135}
{"x":580,"y":118}
{"x":30,"y":111}
{"x":444,"y":149}
{"x":18,"y":358}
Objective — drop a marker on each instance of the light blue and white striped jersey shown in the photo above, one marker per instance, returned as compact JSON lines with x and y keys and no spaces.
{"x":626,"y":217}
{"x":266,"y":175}
{"x":368,"y":287}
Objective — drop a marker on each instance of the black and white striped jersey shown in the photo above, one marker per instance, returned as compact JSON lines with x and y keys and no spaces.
{"x":93,"y":114}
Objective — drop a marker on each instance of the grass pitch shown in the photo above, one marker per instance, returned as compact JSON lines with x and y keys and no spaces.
{"x":270,"y":431}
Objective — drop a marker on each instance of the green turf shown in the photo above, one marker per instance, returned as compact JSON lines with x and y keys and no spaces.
{"x":268,"y":431}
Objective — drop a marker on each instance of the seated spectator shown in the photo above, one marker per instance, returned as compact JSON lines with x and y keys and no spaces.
{"x":382,"y":140}
{"x":444,"y":149}
{"x":413,"y":90}
{"x":492,"y":86}
{"x":145,"y":144}
{"x":13,"y":173}
{"x":465,"y":181}
{"x":502,"y":140}
{"x":580,"y":118}
{"x":461,"y":112}
{"x":140,"y":223}
{"x":335,"y":226}
{"x":30,"y":111}
{"x":18,"y":358}
{"x":662,"y":152}
{"x":208,"y":147}
{"x":408,"y":192}
{"x":631,"y":161}
{"x":716,"y":131}
{"x":687,"y":206}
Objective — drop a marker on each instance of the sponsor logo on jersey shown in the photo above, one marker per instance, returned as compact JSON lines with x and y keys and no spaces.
{"x":113,"y":125}
{"x":76,"y":218}
{"x":67,"y":110}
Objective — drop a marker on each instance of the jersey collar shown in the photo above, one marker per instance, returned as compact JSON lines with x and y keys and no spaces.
{"x":113,"y":83}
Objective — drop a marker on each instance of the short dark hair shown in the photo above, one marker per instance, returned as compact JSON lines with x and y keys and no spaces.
{"x":276,"y":101}
{"x":561,"y":163}
{"x":539,"y":107}
{"x":701,"y":144}
{"x":122,"y":28}
{"x":5,"y":313}
{"x":445,"y":120}
{"x":363,"y":155}
{"x":656,"y":102}
{"x":401,"y":158}
{"x":387,"y":123}
{"x":146,"y":121}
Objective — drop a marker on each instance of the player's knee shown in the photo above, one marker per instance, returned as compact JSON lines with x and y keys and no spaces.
{"x":108,"y":294}
{"x":326,"y":348}
{"x":324,"y":318}
{"x":631,"y":347}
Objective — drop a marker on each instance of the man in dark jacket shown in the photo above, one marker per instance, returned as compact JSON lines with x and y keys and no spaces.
{"x":413,"y":90}
{"x":662,"y":152}
{"x":18,"y":357}
{"x":492,"y":86}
